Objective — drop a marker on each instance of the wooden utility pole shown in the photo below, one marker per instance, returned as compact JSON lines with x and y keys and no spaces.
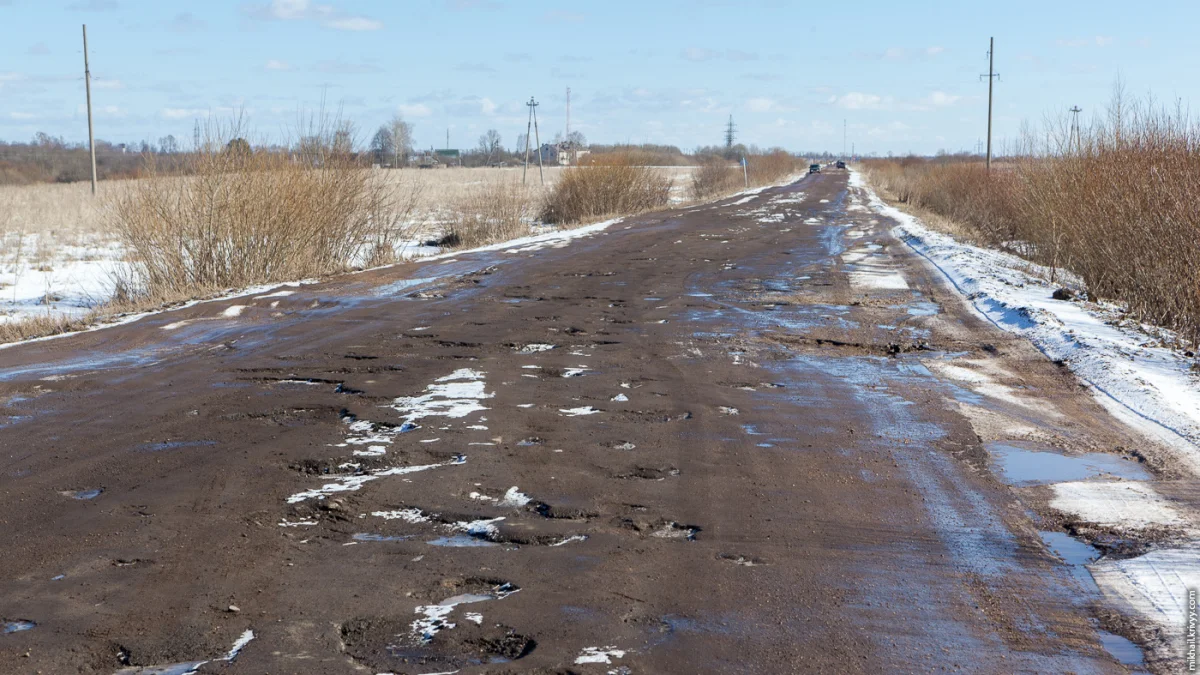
{"x":991,"y":76}
{"x":528,"y":129}
{"x":87,"y":79}
{"x":1074,"y":134}
{"x":537,"y":139}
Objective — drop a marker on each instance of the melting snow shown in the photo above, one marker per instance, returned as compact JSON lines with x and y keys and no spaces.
{"x":599,"y":655}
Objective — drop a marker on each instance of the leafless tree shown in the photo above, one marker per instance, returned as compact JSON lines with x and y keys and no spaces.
{"x":489,"y":145}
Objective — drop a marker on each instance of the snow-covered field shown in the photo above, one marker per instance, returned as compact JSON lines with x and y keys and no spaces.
{"x":1130,"y":371}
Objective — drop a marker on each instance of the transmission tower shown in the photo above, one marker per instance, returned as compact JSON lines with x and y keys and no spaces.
{"x":730,"y":133}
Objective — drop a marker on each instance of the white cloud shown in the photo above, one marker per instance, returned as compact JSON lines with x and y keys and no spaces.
{"x":940,"y":99}
{"x":414,"y":110}
{"x":1099,"y":41}
{"x":289,"y":9}
{"x":760,"y":104}
{"x":355,"y":23}
{"x":859,"y":101}
{"x":894,"y":54}
{"x":108,"y":84}
{"x":101,"y":111}
{"x":183,"y":113}
{"x":22,"y":116}
{"x":934,"y":51}
{"x":487,"y":106}
{"x":275,"y":64}
{"x":326,"y":15}
{"x":698,"y":54}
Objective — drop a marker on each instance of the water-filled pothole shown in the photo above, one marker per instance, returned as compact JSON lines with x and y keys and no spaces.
{"x":1020,"y":465}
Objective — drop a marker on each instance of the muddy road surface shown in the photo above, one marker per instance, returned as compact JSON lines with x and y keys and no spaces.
{"x":746,"y":437}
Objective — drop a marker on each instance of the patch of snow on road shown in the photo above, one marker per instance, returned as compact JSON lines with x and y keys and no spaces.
{"x":599,"y":655}
{"x":534,"y":348}
{"x":1156,"y":585}
{"x":1126,"y":504}
{"x":577,"y":412}
{"x":455,"y":395}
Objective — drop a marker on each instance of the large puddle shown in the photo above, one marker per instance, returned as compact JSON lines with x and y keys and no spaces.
{"x":1022,"y":464}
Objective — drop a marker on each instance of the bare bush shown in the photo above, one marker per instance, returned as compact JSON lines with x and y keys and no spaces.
{"x":1116,"y":206}
{"x":491,"y":213}
{"x":254,"y":217}
{"x":611,"y":184}
{"x":715,"y":177}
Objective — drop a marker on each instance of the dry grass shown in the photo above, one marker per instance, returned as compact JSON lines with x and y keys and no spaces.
{"x":716,"y":177}
{"x":1118,"y":208}
{"x":490,"y":213}
{"x":254,"y":217}
{"x":610,"y":185}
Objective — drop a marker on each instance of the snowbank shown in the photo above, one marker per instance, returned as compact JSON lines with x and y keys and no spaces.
{"x":1149,"y":387}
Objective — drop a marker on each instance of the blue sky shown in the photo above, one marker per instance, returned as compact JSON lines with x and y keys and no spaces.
{"x":903,"y":75}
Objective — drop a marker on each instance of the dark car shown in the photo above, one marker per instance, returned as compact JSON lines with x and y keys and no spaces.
{"x":814,"y":168}
{"x":841,"y":164}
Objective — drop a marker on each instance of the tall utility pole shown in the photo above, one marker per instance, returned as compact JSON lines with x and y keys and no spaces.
{"x":87,"y":79}
{"x":730,"y":133}
{"x":532,"y":123}
{"x":843,"y":138}
{"x":992,"y":76}
{"x":1074,"y":135}
{"x":568,"y":136}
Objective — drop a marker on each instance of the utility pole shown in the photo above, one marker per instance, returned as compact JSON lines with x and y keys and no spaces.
{"x":87,"y":79}
{"x":992,"y":76}
{"x":532,"y":105}
{"x":537,"y":139}
{"x":568,"y":136}
{"x":1075,"y":110}
{"x":843,"y":138}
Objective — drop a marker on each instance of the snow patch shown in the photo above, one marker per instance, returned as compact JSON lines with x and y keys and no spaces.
{"x":1131,"y":505}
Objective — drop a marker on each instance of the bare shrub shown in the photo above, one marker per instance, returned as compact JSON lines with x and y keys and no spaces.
{"x":611,"y":184}
{"x":254,"y":217}
{"x":716,"y":176}
{"x":772,"y":167}
{"x":1116,"y":206}
{"x":491,"y":213}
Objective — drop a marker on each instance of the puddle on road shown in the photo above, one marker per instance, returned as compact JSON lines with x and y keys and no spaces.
{"x":18,"y":626}
{"x":1123,"y":650}
{"x":370,"y":536}
{"x":461,"y":541}
{"x":1022,"y":466}
{"x":1075,"y":554}
{"x":87,"y":494}
{"x":173,"y":445}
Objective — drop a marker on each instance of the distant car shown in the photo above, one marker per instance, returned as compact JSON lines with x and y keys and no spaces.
{"x":814,"y":168}
{"x":841,"y":164}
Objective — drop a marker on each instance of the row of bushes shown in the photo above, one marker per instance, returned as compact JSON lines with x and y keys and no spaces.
{"x":252,"y":217}
{"x":716,"y":176}
{"x":1117,"y":205}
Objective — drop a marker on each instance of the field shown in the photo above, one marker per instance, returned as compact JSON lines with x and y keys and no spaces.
{"x":60,"y":256}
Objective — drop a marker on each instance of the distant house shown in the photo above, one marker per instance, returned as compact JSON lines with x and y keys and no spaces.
{"x":563,"y":154}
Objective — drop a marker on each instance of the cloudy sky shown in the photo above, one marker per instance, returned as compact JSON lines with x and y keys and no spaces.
{"x":902,"y":76}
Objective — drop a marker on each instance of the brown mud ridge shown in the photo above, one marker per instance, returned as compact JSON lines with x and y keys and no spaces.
{"x":698,"y":441}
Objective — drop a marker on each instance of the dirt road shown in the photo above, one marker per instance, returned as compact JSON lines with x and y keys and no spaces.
{"x":748,"y":437}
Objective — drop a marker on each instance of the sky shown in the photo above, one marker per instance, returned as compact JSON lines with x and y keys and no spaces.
{"x":879,"y":76}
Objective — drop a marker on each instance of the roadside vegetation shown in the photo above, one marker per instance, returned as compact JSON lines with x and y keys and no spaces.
{"x":245,"y":217}
{"x":716,"y":176}
{"x":606,"y":185}
{"x":1115,"y":205}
